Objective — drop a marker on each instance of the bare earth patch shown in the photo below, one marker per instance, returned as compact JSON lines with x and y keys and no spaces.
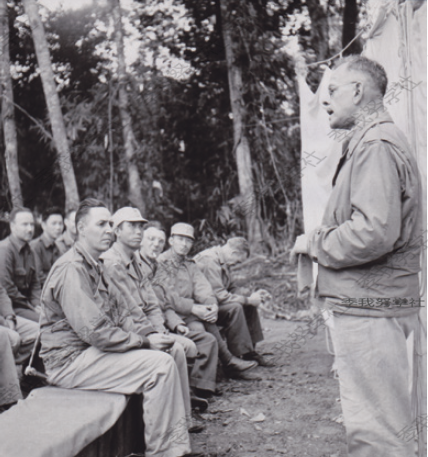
{"x":291,"y":412}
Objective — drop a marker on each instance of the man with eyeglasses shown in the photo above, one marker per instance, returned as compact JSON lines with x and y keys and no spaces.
{"x":370,"y":229}
{"x":203,"y":373}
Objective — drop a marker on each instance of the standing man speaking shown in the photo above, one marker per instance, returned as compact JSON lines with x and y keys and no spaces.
{"x":368,"y":251}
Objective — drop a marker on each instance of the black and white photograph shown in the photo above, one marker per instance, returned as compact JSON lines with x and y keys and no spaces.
{"x":213,"y":228}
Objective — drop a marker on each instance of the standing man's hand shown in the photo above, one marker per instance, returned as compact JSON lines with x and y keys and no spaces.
{"x":300,"y":247}
{"x":160,"y":341}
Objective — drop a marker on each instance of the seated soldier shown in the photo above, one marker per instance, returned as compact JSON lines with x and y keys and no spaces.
{"x":93,"y":339}
{"x":122,"y":267}
{"x":195,"y":301}
{"x":204,"y":371}
{"x":66,"y":240}
{"x":22,"y":332}
{"x":10,"y":392}
{"x":18,"y":273}
{"x":45,"y":247}
{"x":215,"y":263}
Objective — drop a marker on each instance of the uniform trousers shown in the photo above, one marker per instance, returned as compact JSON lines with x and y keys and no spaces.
{"x":10,"y":391}
{"x":151,"y":373}
{"x":242,"y":327}
{"x":373,"y":367}
{"x":27,"y":313}
{"x":188,"y":345}
{"x":22,"y":338}
{"x":204,"y":372}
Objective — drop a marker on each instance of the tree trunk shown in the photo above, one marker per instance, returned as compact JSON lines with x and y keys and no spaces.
{"x":240,"y":141}
{"x":350,"y":19}
{"x":319,"y":29}
{"x":134,"y":179}
{"x":53,"y":104}
{"x":8,"y":110}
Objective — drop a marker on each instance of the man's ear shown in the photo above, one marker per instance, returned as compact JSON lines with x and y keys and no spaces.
{"x":80,"y":226}
{"x":170,"y":240}
{"x":358,"y":92}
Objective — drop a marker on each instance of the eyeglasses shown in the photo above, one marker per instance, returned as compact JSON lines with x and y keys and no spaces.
{"x":332,"y":90}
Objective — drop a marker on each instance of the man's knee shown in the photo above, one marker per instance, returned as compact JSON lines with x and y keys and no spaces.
{"x":231,"y":311}
{"x":27,"y":329}
{"x":15,"y":340}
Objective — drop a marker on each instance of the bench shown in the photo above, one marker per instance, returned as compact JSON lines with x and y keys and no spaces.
{"x":55,"y":422}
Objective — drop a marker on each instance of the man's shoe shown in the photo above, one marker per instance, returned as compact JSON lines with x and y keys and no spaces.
{"x":198,"y":403}
{"x":203,"y":393}
{"x":262,"y":361}
{"x":237,"y":365}
{"x":196,"y":428}
{"x":244,"y":375}
{"x":194,"y":454}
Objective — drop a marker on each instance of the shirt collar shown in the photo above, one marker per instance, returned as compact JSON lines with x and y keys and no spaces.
{"x":358,"y":134}
{"x":125,"y":259}
{"x":220,"y":256}
{"x":46,"y":240}
{"x":151,"y":263}
{"x":88,"y":258}
{"x":17,"y":243}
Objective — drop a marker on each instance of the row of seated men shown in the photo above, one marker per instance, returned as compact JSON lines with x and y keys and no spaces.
{"x":117,"y":314}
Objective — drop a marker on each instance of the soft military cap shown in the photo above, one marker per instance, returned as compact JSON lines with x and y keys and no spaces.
{"x":126,"y":214}
{"x":183,"y":229}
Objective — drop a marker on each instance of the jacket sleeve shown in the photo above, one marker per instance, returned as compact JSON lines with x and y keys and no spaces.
{"x":163,"y":285}
{"x":202,"y":290}
{"x":118,"y":276}
{"x":7,"y":277}
{"x":153,"y":308}
{"x":213,"y":272}
{"x":38,"y":260}
{"x":91,"y":324}
{"x":375,"y":222}
{"x":6,"y":308}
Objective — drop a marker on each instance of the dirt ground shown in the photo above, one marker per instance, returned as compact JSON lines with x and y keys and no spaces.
{"x":294,"y":410}
{"x":291,"y":412}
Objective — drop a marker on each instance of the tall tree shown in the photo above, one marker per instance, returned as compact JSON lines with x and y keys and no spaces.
{"x":241,"y":144}
{"x":53,"y":104}
{"x":319,"y":28}
{"x":8,"y":110}
{"x":350,"y":21}
{"x":130,"y":143}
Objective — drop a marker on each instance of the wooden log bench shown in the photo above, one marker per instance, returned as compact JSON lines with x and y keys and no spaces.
{"x":55,"y":422}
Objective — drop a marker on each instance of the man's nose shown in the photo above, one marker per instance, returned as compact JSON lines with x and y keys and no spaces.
{"x":325,"y":103}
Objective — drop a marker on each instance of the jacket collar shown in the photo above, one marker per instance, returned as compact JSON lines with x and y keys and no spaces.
{"x":18,"y":244}
{"x":359,"y":133}
{"x":87,"y":257}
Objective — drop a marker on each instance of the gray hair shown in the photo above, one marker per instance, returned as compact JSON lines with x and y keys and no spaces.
{"x":371,"y":68}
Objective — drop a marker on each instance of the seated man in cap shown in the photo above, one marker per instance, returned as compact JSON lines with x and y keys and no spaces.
{"x":195,"y":302}
{"x":92,"y":338}
{"x":18,"y":272}
{"x":203,"y":373}
{"x":45,"y":248}
{"x":122,"y":267}
{"x":235,"y":310}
